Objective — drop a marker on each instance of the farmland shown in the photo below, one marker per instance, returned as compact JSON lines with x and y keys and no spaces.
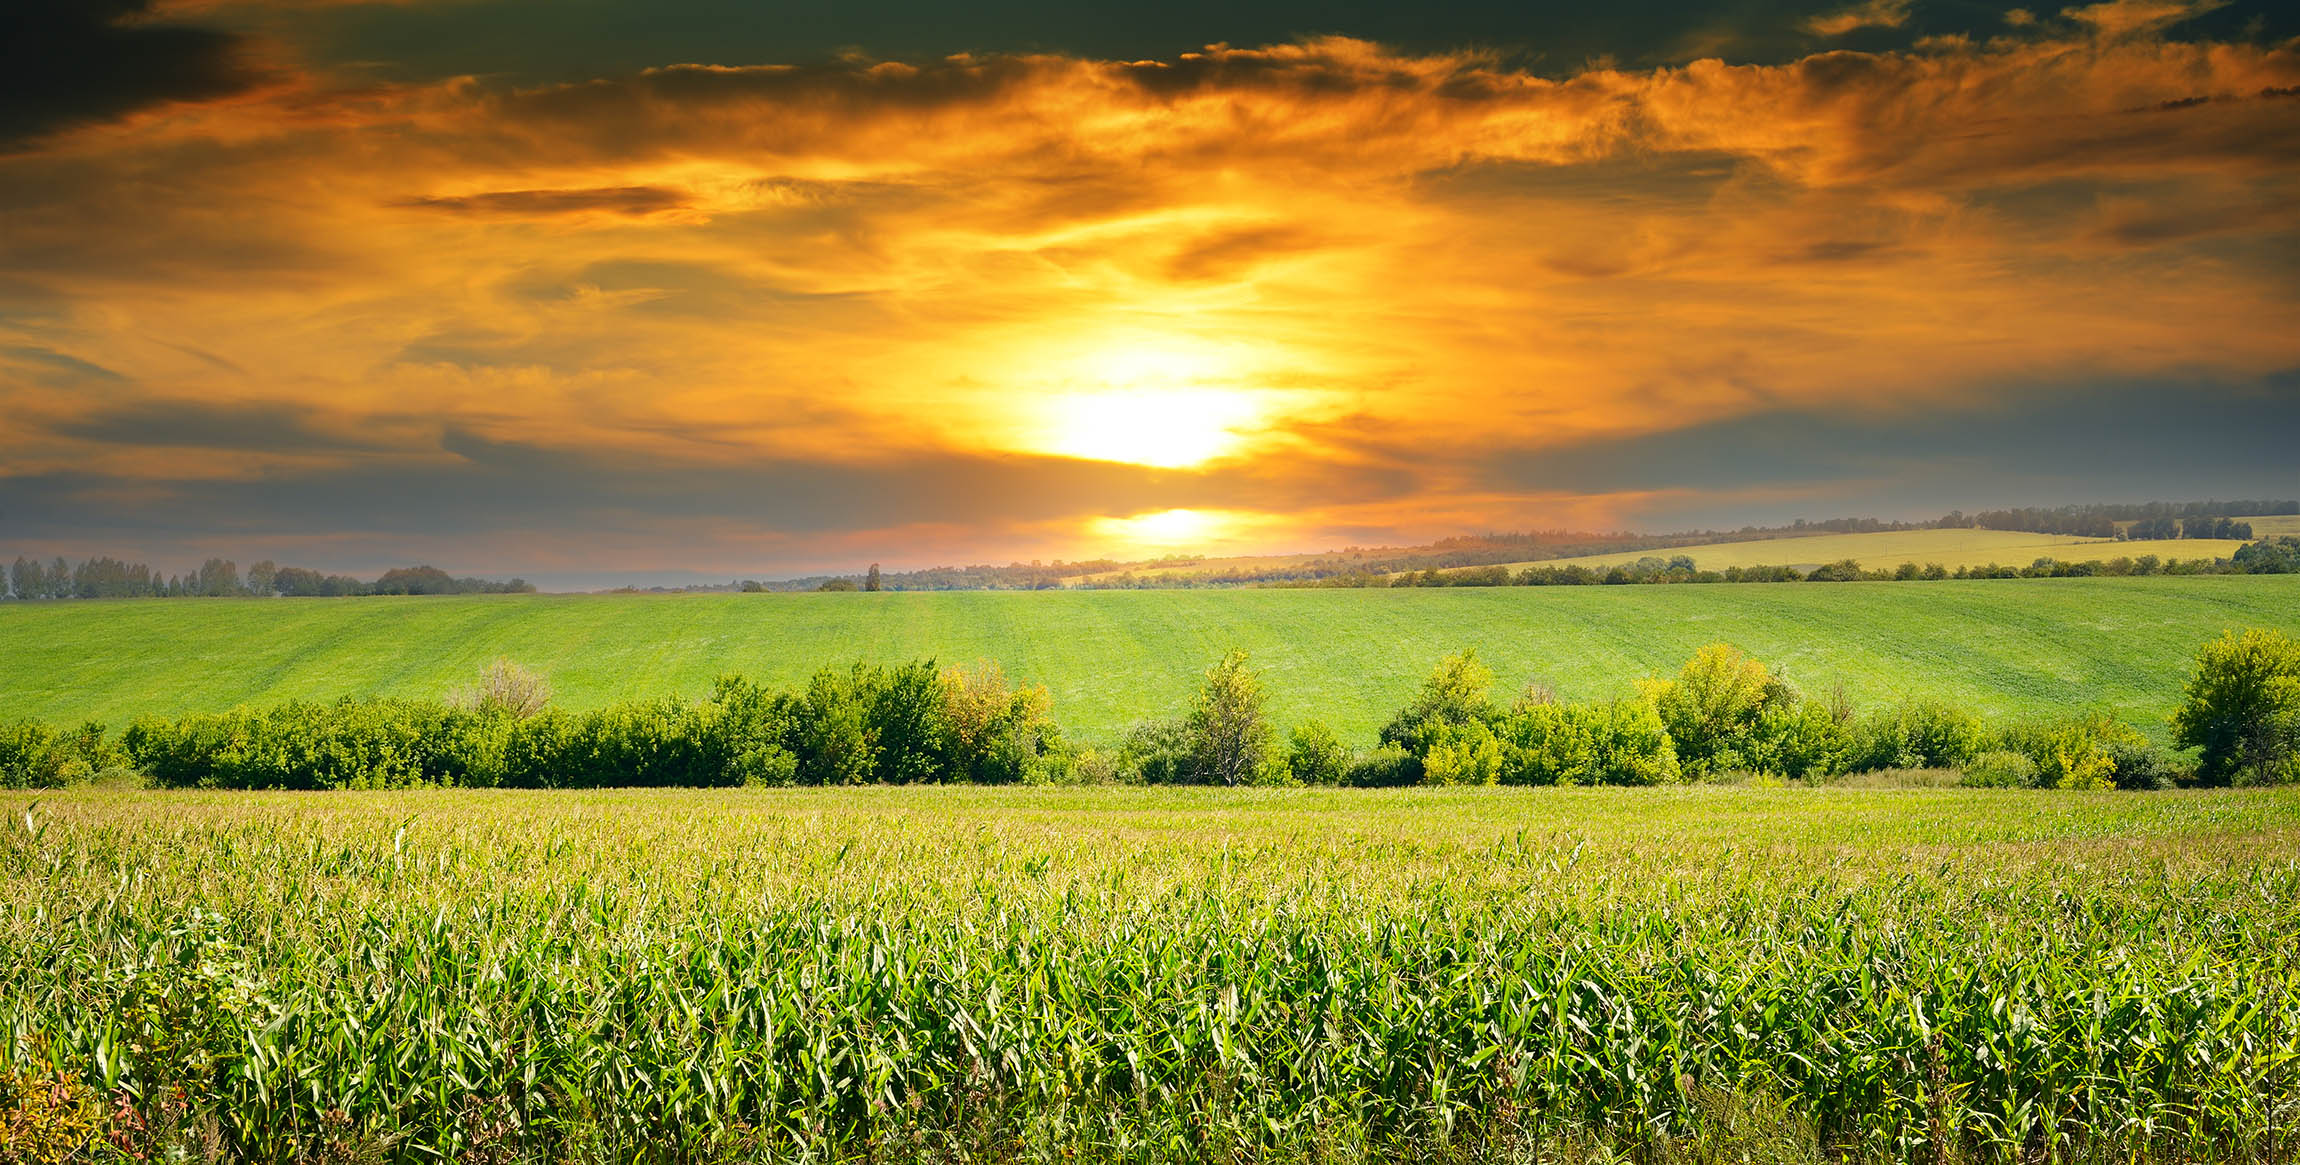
{"x":1950,"y":548}
{"x":1998,"y":649}
{"x":1134,"y":974}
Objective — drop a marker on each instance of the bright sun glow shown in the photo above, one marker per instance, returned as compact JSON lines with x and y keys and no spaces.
{"x":1145,"y":398}
{"x":1160,"y":530}
{"x":1170,"y":428}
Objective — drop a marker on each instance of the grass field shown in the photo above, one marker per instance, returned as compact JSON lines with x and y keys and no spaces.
{"x":1888,"y":549}
{"x":1700,"y":974}
{"x":2004,"y":648}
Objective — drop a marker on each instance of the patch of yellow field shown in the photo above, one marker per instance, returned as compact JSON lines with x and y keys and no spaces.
{"x":1950,"y":548}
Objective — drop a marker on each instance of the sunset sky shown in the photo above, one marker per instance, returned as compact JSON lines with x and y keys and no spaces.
{"x":593,"y":291}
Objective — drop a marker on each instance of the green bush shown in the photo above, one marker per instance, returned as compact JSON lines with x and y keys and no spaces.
{"x":2079,"y":752}
{"x":1715,"y":708}
{"x":1156,"y":752}
{"x":1916,"y":736}
{"x":2000,"y":769}
{"x":1621,"y":743}
{"x":349,"y":744}
{"x":1315,"y":756}
{"x":1386,"y":767}
{"x":34,"y":756}
{"x":1456,"y":694}
{"x":1803,"y":739}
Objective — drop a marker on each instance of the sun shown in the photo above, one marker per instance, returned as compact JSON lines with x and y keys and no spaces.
{"x":1163,"y":427}
{"x":1171,"y":405}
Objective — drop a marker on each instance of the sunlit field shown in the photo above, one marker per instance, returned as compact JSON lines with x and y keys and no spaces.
{"x":1999,"y":649}
{"x":1952,"y":549}
{"x":1712,"y":974}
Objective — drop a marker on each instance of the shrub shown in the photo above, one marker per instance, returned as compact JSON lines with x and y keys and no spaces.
{"x":1621,"y":743}
{"x":1315,"y":756}
{"x":1156,"y":752}
{"x":1387,"y":766}
{"x":2241,"y":706}
{"x":349,"y":744}
{"x":2001,"y":769}
{"x":32,"y":756}
{"x":2080,"y":752}
{"x":504,"y":686}
{"x":1714,"y":707}
{"x":1803,"y":739}
{"x":1457,"y":692}
{"x":1916,"y":736}
{"x":994,"y":733}
{"x":1464,"y":755}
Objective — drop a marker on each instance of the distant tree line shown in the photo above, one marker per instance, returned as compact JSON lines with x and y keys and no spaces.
{"x":1723,"y":715}
{"x":2279,"y":555}
{"x":110,"y":578}
{"x":2148,"y":520}
{"x":1354,"y":565}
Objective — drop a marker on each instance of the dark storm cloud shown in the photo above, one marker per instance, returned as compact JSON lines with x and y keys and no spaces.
{"x":67,"y":62}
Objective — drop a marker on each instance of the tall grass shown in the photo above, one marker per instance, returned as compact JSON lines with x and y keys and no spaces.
{"x":1159,"y":975}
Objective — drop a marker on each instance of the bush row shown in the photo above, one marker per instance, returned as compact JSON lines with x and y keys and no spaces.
{"x":1725,"y":715}
{"x":1722,"y":715}
{"x":863,"y":724}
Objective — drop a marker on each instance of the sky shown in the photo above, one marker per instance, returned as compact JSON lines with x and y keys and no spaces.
{"x":593,"y":291}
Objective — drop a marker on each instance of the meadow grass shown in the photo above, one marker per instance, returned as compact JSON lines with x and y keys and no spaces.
{"x":1688,"y":974}
{"x":2000,"y":649}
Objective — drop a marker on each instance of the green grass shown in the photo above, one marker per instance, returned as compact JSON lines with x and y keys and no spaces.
{"x":1887,"y":549}
{"x":2002,"y":649}
{"x":1693,"y":974}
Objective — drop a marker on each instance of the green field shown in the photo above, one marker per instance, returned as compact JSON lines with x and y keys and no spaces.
{"x":942,"y":974}
{"x":1887,"y":549}
{"x":1351,"y":657}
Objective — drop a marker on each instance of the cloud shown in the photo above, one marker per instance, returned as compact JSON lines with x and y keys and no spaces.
{"x":2124,"y":18}
{"x":625,"y":200}
{"x":1871,"y":14}
{"x":773,"y":307}
{"x":71,"y":62}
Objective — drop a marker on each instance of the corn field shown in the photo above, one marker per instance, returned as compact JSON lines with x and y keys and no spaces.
{"x":1714,"y":974}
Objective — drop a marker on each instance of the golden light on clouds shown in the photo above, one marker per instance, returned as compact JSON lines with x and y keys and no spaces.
{"x":1291,"y":296}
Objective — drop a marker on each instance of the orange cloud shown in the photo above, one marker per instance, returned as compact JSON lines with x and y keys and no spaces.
{"x":1342,"y":268}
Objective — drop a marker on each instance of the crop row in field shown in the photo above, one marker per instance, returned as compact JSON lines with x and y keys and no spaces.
{"x":1157,"y":975}
{"x":2003,"y":650}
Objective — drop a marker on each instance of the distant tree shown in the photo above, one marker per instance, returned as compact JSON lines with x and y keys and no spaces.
{"x":56,"y":583}
{"x":26,"y":578}
{"x":415,"y":580}
{"x":870,"y":580}
{"x":2242,"y":708}
{"x":837,"y":584}
{"x":1228,"y":738}
{"x":263,"y":578}
{"x":218,"y":577}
